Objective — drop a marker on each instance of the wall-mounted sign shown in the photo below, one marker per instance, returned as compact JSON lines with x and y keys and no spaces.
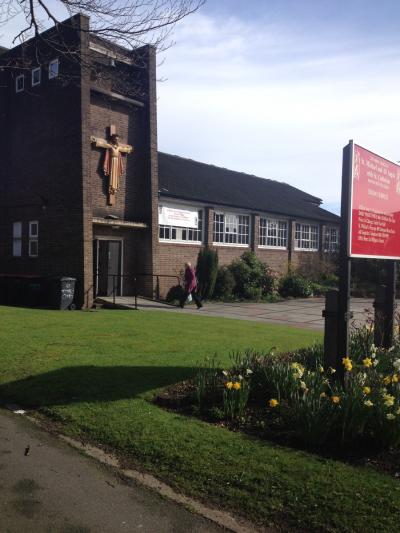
{"x":174,"y":216}
{"x":374,"y":206}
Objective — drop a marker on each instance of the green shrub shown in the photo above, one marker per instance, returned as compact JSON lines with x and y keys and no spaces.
{"x":249,"y":274}
{"x":175,"y":294}
{"x":206,"y":272}
{"x":270,"y":282}
{"x":295,"y":286}
{"x":225,"y":284}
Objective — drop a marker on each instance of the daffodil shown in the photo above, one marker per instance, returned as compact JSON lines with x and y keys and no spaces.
{"x":367,"y":390}
{"x":331,"y":370}
{"x":229,"y":385}
{"x":273,"y":403}
{"x":390,"y":416}
{"x":395,"y":378}
{"x":322,"y":395}
{"x":321,"y":369}
{"x":388,"y":400}
{"x":367,"y":362}
{"x":335,"y":399}
{"x":236,"y":385}
{"x":368,"y":403}
{"x":347,"y":363}
{"x":387,"y":380}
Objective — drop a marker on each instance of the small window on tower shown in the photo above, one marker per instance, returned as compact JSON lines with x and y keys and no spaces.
{"x":53,"y":69}
{"x":33,"y":238}
{"x":19,"y":83}
{"x":36,"y":76}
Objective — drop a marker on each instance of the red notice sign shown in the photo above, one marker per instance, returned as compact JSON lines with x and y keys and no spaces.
{"x":374,"y":206}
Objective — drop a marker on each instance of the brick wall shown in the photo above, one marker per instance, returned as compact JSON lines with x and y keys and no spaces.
{"x":41,"y":171}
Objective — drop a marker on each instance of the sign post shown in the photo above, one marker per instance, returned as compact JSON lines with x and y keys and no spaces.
{"x":370,"y":228}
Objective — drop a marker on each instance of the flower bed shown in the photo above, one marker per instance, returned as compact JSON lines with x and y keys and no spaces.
{"x":293,"y":399}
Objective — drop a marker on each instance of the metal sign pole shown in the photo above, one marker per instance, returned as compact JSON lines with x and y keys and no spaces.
{"x":344,"y":265}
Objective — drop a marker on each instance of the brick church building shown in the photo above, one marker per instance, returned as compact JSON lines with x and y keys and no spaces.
{"x":85,"y":193}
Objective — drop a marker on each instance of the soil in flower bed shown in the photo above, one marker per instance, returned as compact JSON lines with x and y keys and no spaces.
{"x":264,"y":423}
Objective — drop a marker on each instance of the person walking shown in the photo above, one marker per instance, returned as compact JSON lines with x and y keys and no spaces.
{"x":190,"y":287}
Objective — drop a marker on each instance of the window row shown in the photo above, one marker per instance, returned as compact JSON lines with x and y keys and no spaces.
{"x":36,"y":76}
{"x":234,"y":229}
{"x":33,"y":249}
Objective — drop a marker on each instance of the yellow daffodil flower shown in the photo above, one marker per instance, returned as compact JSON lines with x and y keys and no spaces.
{"x":367,"y":390}
{"x":347,"y":363}
{"x":388,"y":400}
{"x":368,"y":403}
{"x":367,"y":362}
{"x":273,"y":402}
{"x":236,"y":385}
{"x":335,"y":399}
{"x":229,"y":385}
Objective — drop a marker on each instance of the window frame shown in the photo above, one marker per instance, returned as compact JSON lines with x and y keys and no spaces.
{"x":33,"y":238}
{"x":328,"y":239}
{"x":56,"y":61}
{"x":179,"y":230}
{"x":239,"y":223}
{"x":301,"y":230}
{"x":17,"y":239}
{"x":276,"y":221}
{"x":17,"y":79}
{"x":34,"y":71}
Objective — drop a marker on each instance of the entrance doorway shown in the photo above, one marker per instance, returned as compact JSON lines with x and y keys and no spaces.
{"x":108,"y":267}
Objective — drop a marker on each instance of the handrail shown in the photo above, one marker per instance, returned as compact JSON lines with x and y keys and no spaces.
{"x":134,"y":278}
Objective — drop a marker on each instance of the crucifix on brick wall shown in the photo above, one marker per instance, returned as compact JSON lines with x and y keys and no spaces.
{"x":112,"y":166}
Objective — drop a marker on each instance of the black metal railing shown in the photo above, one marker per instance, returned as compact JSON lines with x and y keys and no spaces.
{"x":133,"y":279}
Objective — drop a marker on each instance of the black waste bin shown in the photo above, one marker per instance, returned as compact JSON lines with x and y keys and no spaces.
{"x":62,"y":292}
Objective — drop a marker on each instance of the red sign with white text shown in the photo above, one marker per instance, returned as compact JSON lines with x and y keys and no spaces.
{"x":375,"y":206}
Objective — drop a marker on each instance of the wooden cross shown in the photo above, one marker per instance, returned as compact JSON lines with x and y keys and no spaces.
{"x":112,"y":165}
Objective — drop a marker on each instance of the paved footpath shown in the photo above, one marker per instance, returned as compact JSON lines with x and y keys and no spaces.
{"x":300,"y":312}
{"x":52,"y":488}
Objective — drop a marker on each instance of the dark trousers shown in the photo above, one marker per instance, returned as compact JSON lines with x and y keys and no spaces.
{"x":195,"y":297}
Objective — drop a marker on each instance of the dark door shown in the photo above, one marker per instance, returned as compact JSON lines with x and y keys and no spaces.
{"x":109,"y":268}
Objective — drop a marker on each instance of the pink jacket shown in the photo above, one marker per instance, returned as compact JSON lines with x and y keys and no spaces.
{"x":190,"y":279}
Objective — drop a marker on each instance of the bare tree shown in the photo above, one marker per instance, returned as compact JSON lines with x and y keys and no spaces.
{"x":130,"y":23}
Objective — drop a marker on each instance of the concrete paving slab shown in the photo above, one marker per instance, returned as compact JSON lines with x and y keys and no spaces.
{"x":297,"y":312}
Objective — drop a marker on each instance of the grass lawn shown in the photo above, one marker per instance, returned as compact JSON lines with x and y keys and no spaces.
{"x":97,"y":371}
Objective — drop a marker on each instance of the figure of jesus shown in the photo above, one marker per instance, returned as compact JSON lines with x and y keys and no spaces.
{"x":112,"y":165}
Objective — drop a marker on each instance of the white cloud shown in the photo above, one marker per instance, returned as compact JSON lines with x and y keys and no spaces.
{"x":265,"y":100}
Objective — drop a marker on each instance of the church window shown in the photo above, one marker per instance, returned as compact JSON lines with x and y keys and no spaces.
{"x":19,"y":83}
{"x":331,"y":241}
{"x":33,"y":238}
{"x":17,"y":239}
{"x":190,"y":229}
{"x":230,"y":228}
{"x":36,"y":76}
{"x":53,"y":69}
{"x":273,"y":232}
{"x":306,"y":237}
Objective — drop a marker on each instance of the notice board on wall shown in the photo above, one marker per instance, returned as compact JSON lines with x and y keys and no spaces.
{"x":374,"y":205}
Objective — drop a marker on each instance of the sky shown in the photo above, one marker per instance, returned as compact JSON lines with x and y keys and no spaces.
{"x":276,"y":88}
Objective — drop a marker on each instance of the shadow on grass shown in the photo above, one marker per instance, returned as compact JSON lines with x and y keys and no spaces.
{"x":90,"y":384}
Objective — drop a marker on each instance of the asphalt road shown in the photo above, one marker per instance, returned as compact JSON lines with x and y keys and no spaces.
{"x":48,"y":487}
